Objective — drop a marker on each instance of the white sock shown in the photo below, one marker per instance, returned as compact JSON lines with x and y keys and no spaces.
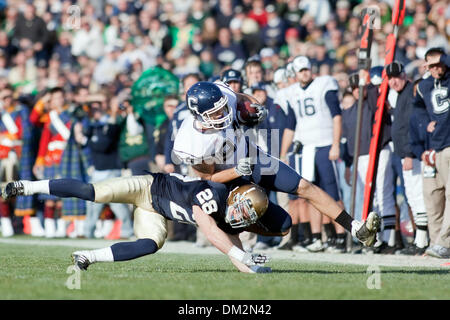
{"x":421,"y":238}
{"x":7,"y":228}
{"x":33,"y":187}
{"x":379,"y":239}
{"x":389,"y":237}
{"x":101,"y":255}
{"x":355,"y":227}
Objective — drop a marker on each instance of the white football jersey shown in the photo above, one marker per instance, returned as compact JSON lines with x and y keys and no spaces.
{"x":313,"y":117}
{"x":222,"y":147}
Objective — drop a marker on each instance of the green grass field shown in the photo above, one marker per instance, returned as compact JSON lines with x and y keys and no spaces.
{"x":40,"y":272}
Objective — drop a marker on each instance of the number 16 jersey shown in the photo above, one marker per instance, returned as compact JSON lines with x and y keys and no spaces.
{"x":314,"y":122}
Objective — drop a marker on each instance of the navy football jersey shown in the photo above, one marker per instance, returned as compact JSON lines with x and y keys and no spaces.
{"x":173,"y":196}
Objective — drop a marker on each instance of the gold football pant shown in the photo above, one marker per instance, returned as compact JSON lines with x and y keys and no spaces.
{"x":136,"y":190}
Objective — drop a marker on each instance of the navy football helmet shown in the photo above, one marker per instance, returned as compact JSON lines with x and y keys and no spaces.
{"x":209,"y":105}
{"x":231,"y":75}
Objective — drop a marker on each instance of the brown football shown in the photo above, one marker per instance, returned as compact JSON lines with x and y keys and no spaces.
{"x":246,"y":113}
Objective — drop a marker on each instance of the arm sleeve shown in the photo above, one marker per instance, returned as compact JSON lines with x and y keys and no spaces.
{"x":416,"y":143}
{"x":168,"y":143}
{"x":418,"y":99}
{"x":332,"y":100}
{"x":43,"y":145}
{"x":290,"y":118}
{"x":36,"y":113}
{"x":281,"y":117}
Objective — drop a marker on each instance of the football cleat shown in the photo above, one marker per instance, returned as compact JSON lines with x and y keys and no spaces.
{"x":384,"y":248}
{"x":13,"y":189}
{"x":412,"y":250}
{"x":366,"y":231}
{"x":79,"y":258}
{"x":316,"y":246}
{"x":301,"y":246}
{"x":339,"y":246}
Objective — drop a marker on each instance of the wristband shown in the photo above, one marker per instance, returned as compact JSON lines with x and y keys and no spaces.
{"x":236,"y":253}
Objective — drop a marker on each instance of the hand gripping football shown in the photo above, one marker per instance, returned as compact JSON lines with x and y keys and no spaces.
{"x":248,"y":109}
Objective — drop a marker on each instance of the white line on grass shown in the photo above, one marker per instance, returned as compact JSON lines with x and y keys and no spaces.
{"x":190,"y":248}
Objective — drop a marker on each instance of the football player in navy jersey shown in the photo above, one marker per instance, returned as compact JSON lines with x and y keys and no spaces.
{"x":221,"y":215}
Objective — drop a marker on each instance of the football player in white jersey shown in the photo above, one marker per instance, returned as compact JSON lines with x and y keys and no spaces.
{"x":318,"y":126}
{"x":213,"y":143}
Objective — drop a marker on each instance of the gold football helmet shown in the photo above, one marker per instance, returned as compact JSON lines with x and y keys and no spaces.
{"x":246,"y":204}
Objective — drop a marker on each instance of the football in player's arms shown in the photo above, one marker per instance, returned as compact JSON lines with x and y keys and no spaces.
{"x":249,"y":111}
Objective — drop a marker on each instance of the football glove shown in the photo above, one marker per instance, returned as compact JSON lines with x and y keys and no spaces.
{"x":244,"y":167}
{"x":259,"y":116}
{"x":255,"y":259}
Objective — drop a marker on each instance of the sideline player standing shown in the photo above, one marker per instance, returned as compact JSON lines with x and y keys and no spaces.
{"x":213,"y":143}
{"x":318,"y":126}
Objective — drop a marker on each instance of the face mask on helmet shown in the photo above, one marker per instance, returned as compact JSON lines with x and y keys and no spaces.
{"x":209,"y":106}
{"x":219,"y":117}
{"x":246,"y":204}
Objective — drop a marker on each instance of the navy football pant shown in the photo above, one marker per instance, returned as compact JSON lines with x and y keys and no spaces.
{"x":326,"y":175}
{"x":273,"y":175}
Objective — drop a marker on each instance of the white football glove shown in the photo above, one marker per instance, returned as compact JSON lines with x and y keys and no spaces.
{"x":255,"y":259}
{"x":244,"y":167}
